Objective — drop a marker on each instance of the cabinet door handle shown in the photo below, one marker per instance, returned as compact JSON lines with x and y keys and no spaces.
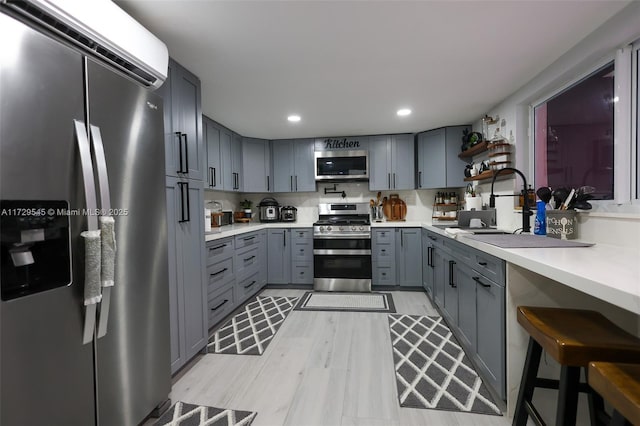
{"x":215,"y":179}
{"x":296,"y":183}
{"x":249,"y":285}
{"x":291,"y":183}
{"x":210,"y":177}
{"x":477,"y":279}
{"x":219,"y":272}
{"x":389,"y":180}
{"x":430,"y":256}
{"x":284,"y":238}
{"x":482,"y":263}
{"x":394,"y":181}
{"x":186,"y":153}
{"x":218,"y":247}
{"x":432,"y":238}
{"x":249,"y":258}
{"x":184,"y":218}
{"x":268,"y":185}
{"x":451,"y":283}
{"x":419,"y":179}
{"x":180,"y":160}
{"x":249,"y":238}
{"x":220,"y":305}
{"x":401,"y":239}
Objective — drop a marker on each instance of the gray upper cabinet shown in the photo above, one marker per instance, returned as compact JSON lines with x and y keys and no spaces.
{"x":293,"y":169}
{"x":409,"y":250}
{"x":438,"y":163}
{"x":391,"y":159}
{"x":231,"y":155}
{"x":256,"y":165}
{"x":211,"y":133}
{"x":184,"y":152}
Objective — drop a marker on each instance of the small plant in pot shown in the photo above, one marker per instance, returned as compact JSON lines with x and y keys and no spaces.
{"x":246,"y":208}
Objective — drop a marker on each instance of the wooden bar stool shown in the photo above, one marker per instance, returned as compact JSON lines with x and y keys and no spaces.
{"x":573,"y":337}
{"x":619,"y":385}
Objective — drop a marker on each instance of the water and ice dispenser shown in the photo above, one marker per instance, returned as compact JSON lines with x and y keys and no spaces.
{"x":35,"y":250}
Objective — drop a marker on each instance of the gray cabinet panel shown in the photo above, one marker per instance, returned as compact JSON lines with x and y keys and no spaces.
{"x":221,"y":303}
{"x":302,"y":273}
{"x":262,"y":250}
{"x":467,"y":303}
{"x":409,"y":249}
{"x":451,"y":291}
{"x":236,"y":161}
{"x":491,"y":333}
{"x":403,"y":162}
{"x":440,"y":267}
{"x":279,"y":256}
{"x":188,"y":296}
{"x":384,"y":274}
{"x":282,"y":159}
{"x":256,"y":168}
{"x":432,"y":152}
{"x":380,"y":163}
{"x":438,"y":163}
{"x":304,"y":176}
{"x":226,"y":138}
{"x":213,"y":171}
{"x":183,"y":123}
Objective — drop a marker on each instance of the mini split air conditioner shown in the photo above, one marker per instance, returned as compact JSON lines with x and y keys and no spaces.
{"x":103,"y":30}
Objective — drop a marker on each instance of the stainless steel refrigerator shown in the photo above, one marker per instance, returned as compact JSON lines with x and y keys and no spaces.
{"x":53,"y":102}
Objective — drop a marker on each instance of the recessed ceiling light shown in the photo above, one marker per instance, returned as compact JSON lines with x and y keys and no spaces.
{"x":293,"y":118}
{"x":403,"y":112}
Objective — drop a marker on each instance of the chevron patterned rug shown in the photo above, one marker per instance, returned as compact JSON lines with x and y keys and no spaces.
{"x":183,"y":414}
{"x":250,"y":331}
{"x":432,"y":370}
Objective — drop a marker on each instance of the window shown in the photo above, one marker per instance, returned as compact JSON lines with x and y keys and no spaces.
{"x":574,"y":136}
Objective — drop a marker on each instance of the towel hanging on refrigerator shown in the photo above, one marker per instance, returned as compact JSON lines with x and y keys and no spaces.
{"x":107,"y":231}
{"x":92,"y":260}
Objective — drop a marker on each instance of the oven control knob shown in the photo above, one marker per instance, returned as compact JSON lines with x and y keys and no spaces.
{"x":353,"y":228}
{"x":362,"y":228}
{"x":341,"y":228}
{"x":328,"y":228}
{"x":322,"y":229}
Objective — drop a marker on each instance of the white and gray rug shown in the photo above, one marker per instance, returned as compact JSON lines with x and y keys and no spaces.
{"x":250,"y":331}
{"x":346,"y":302}
{"x":432,"y":370}
{"x":183,"y":414}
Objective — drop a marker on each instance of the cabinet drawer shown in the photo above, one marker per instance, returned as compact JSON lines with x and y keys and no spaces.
{"x":384,"y":235}
{"x":219,"y":273}
{"x":384,"y":275}
{"x":384,"y":253}
{"x":301,"y":234}
{"x":248,"y":286}
{"x":247,"y":262}
{"x":247,"y":240}
{"x":219,"y":250}
{"x":489,"y":266}
{"x":302,"y":252}
{"x":461,"y":251}
{"x":302,"y":273}
{"x":221,"y":304}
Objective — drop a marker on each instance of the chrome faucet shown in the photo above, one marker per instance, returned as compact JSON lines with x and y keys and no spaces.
{"x":526,"y":211}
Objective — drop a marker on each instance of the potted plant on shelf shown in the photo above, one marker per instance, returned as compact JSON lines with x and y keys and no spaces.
{"x":246,"y":207}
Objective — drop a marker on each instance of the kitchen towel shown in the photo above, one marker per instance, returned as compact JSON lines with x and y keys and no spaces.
{"x":92,"y":260}
{"x":108,"y":243}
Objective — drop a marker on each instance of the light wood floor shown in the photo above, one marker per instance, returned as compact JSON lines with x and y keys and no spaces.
{"x":322,"y":368}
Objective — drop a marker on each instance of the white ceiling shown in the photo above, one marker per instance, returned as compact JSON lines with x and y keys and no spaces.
{"x":347,"y":66}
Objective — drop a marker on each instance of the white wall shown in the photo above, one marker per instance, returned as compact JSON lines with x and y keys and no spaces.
{"x":594,"y":50}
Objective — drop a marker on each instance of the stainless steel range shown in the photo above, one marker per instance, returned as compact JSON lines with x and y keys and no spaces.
{"x":342,"y":248}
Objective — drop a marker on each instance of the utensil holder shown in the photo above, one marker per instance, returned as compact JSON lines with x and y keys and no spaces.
{"x":377,"y":214}
{"x":562,"y":224}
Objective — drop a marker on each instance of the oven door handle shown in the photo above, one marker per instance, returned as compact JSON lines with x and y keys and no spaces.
{"x":338,"y":252}
{"x":364,"y":235}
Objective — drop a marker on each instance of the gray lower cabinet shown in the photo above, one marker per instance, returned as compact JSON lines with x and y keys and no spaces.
{"x":249,"y":264}
{"x":293,"y":168}
{"x":188,"y":293}
{"x":221,"y":297}
{"x":256,"y":165}
{"x":396,"y":257}
{"x":391,"y":160}
{"x":469,"y":290}
{"x":438,"y":163}
{"x":279,"y":256}
{"x":302,"y":256}
{"x":430,"y":241}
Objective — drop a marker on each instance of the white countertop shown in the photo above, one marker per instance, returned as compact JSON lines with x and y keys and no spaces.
{"x":607,"y":272}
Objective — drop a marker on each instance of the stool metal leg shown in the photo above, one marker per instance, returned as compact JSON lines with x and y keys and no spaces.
{"x":596,"y":405}
{"x":528,"y":382}
{"x":568,"y":396}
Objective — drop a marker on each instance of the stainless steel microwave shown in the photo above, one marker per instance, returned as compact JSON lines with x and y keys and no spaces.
{"x":342,"y":165}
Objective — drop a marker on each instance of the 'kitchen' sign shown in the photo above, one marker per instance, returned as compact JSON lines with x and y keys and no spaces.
{"x":339,"y":144}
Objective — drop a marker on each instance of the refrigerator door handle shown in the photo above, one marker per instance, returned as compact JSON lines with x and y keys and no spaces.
{"x":105,"y":204}
{"x":92,"y":220}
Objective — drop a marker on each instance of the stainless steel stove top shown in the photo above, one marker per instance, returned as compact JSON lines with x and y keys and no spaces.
{"x":343,"y":220}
